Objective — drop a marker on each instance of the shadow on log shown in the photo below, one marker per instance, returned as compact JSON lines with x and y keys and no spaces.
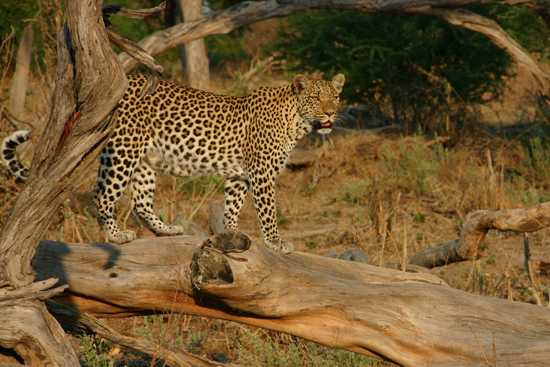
{"x":409,"y":318}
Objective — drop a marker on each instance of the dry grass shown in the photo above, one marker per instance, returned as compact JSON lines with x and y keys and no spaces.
{"x":388,"y":195}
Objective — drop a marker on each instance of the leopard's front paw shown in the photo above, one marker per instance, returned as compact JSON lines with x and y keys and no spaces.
{"x":280,"y":246}
{"x":121,"y":237}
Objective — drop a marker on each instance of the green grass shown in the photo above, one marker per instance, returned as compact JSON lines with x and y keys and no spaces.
{"x":356,"y":192}
{"x":410,"y":167}
{"x":264,"y":351}
{"x":94,"y":352}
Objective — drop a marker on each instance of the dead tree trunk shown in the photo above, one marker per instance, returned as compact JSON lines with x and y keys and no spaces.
{"x":89,"y":83}
{"x":20,"y":80}
{"x":409,"y":318}
{"x":197,"y":68}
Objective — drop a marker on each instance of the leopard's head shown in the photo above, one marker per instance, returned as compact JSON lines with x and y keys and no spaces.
{"x":318,"y":100}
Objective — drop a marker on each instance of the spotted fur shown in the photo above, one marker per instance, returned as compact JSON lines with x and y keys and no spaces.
{"x":184,"y":131}
{"x":9,"y":159}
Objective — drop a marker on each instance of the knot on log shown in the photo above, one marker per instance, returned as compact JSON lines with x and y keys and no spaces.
{"x":209,"y":264}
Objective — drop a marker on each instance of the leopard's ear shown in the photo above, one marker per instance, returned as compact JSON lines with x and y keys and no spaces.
{"x":338,"y":82}
{"x":299,"y":83}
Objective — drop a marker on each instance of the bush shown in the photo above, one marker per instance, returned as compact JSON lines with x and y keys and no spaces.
{"x":14,"y":14}
{"x":422,"y":68}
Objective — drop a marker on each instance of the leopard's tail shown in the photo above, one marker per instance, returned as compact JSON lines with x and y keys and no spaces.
{"x":8,"y":156}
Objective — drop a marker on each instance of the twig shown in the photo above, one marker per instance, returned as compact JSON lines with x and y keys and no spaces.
{"x":134,"y":50}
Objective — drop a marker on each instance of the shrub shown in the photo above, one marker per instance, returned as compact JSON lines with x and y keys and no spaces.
{"x":420,"y":67}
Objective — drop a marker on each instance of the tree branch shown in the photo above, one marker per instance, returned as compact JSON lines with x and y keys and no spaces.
{"x":142,"y":13}
{"x":476,"y":226}
{"x":88,"y":85}
{"x":492,"y":30}
{"x":249,"y":12}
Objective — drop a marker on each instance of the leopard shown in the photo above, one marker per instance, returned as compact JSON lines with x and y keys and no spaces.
{"x":182,"y":131}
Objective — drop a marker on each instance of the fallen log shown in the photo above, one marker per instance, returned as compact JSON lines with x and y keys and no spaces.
{"x":476,"y":226}
{"x":412,"y":319}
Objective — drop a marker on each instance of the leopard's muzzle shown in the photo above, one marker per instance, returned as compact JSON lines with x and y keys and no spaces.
{"x":323,"y":127}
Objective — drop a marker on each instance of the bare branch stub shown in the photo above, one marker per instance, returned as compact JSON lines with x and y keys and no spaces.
{"x":135,"y":51}
{"x":125,"y":44}
{"x":142,"y":13}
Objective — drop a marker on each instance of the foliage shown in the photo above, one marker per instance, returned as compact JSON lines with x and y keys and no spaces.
{"x":94,"y":352}
{"x":411,"y":165}
{"x":422,"y":67}
{"x":16,"y":14}
{"x":381,"y":52}
{"x":522,"y":23}
{"x":225,"y":48}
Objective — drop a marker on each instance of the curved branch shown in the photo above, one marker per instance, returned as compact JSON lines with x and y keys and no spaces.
{"x":492,"y":30}
{"x":249,"y":12}
{"x":475,"y":228}
{"x":246,"y":13}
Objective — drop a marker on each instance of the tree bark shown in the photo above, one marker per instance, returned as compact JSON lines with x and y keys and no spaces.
{"x":89,"y":83}
{"x":475,"y":228}
{"x":20,"y":80}
{"x":409,"y":318}
{"x":197,"y":71}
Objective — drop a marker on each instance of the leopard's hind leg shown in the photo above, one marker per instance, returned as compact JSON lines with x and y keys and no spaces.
{"x":117,"y":165}
{"x":143,"y":191}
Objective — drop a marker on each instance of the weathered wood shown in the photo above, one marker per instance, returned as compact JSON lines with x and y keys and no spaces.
{"x":142,"y":13}
{"x":89,"y":82}
{"x":474,"y":230}
{"x":20,"y":80}
{"x":30,"y":320}
{"x":135,"y":51}
{"x":197,"y":69}
{"x":15,"y":122}
{"x":410,"y":318}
